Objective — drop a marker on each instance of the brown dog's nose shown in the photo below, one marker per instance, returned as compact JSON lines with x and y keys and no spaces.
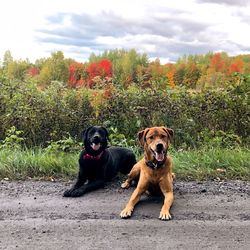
{"x":159,"y":147}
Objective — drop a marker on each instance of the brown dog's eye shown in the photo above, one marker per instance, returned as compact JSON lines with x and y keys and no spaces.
{"x":163,"y":136}
{"x":151,"y":137}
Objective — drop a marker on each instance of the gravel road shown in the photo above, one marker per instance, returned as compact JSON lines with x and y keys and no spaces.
{"x":206,"y":215}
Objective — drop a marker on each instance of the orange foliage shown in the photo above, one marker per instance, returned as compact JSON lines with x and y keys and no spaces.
{"x":170,"y":74}
{"x":217,"y":64}
{"x":236,"y":66}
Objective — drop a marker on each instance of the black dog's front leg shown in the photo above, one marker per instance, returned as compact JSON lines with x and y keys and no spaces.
{"x":90,"y":186}
{"x":79,"y":183}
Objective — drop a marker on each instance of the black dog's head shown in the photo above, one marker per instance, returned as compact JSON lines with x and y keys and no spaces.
{"x":95,"y":139}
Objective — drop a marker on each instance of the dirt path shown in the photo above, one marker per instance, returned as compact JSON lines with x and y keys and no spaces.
{"x":209,"y":215}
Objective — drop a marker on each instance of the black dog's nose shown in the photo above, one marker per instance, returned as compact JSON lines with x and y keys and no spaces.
{"x":159,"y":147}
{"x":96,"y":139}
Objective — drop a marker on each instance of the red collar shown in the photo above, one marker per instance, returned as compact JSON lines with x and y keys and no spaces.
{"x":91,"y":157}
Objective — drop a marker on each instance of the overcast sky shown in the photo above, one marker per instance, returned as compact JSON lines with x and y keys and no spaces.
{"x":166,"y":29}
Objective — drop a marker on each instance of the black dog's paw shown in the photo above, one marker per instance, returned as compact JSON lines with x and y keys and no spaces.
{"x":76,"y":193}
{"x":67,"y":193}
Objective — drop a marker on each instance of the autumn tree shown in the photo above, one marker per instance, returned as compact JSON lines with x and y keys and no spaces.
{"x":124,"y":64}
{"x":179,"y":74}
{"x":236,"y":66}
{"x":192,"y":74}
{"x":77,"y":74}
{"x":101,"y":69}
{"x":55,"y":68}
{"x":170,"y":74}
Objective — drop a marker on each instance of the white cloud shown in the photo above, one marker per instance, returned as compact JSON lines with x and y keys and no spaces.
{"x":164,"y":28}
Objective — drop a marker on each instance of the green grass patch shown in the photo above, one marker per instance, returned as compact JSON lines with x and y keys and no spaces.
{"x":203,"y":164}
{"x":37,"y":163}
{"x":215,"y":163}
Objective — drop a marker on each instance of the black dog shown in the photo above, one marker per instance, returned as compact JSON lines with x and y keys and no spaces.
{"x":99,"y":163}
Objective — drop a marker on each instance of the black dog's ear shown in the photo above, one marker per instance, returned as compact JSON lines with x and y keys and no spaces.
{"x":85,"y":133}
{"x":106,"y":131}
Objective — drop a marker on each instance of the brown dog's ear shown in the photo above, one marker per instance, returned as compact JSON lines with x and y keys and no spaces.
{"x":141,"y":136}
{"x":169,"y":131}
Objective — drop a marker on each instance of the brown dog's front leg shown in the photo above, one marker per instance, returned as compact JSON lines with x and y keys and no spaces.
{"x":168,"y":201}
{"x":134,"y":173}
{"x":127,"y":211}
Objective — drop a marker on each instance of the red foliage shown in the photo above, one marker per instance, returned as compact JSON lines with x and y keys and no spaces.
{"x":236,"y":66}
{"x":76,"y":71}
{"x":216,"y":63}
{"x":33,"y":71}
{"x":102,"y":68}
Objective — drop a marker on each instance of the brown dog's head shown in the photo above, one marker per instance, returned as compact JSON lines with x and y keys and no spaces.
{"x":155,"y":142}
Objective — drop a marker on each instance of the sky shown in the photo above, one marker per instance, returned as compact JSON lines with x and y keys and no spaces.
{"x":164,"y":29}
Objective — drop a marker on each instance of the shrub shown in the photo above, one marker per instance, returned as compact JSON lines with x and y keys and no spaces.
{"x":57,"y":111}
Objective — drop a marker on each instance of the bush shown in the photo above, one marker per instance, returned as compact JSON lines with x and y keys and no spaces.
{"x":209,"y":117}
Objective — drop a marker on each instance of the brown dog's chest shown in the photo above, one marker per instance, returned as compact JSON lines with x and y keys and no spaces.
{"x":154,"y":176}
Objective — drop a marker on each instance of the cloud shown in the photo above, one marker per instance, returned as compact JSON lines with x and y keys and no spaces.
{"x":160,"y":32}
{"x":227,"y":2}
{"x":108,"y":31}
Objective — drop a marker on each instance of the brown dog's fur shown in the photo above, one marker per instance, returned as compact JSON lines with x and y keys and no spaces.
{"x":152,"y":176}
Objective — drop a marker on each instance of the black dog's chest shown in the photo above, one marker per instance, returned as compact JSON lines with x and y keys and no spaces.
{"x":93,"y":169}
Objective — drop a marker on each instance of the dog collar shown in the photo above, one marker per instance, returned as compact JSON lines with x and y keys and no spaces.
{"x":156,"y":165}
{"x":91,"y":157}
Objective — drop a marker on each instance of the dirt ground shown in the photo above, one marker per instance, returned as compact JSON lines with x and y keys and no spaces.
{"x":206,"y":215}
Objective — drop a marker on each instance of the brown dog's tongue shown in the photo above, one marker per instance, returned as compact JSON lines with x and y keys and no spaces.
{"x":159,"y":156}
{"x":95,"y":146}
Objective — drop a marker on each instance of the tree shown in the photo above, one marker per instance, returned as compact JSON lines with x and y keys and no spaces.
{"x":7,"y":58}
{"x":218,"y":62}
{"x":102,"y":68}
{"x":77,"y":74}
{"x":17,"y":69}
{"x":124,"y":64}
{"x":55,"y":68}
{"x":170,"y":74}
{"x":179,"y":74}
{"x":192,"y":74}
{"x":236,"y":66}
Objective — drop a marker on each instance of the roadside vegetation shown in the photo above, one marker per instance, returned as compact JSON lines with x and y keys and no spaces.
{"x":45,"y":106}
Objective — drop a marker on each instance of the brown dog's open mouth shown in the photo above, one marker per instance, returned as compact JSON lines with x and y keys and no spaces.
{"x":159,"y":156}
{"x":95,"y":146}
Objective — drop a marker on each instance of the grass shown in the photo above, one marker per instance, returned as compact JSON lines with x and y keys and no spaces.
{"x":203,"y":164}
{"x":37,"y":163}
{"x":214,"y":163}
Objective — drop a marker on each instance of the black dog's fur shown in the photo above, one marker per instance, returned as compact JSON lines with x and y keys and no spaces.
{"x":99,"y":163}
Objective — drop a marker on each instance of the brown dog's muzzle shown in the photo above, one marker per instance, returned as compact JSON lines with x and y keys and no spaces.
{"x":159,"y":150}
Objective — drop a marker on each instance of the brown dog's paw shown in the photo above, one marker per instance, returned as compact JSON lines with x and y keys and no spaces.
{"x":126,"y":213}
{"x":125,"y":184}
{"x":165,"y":216}
{"x":173,"y":176}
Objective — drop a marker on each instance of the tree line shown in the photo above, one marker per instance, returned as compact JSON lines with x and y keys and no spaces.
{"x":122,"y":69}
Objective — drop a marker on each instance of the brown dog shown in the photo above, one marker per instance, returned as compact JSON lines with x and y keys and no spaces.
{"x":154,"y":170}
